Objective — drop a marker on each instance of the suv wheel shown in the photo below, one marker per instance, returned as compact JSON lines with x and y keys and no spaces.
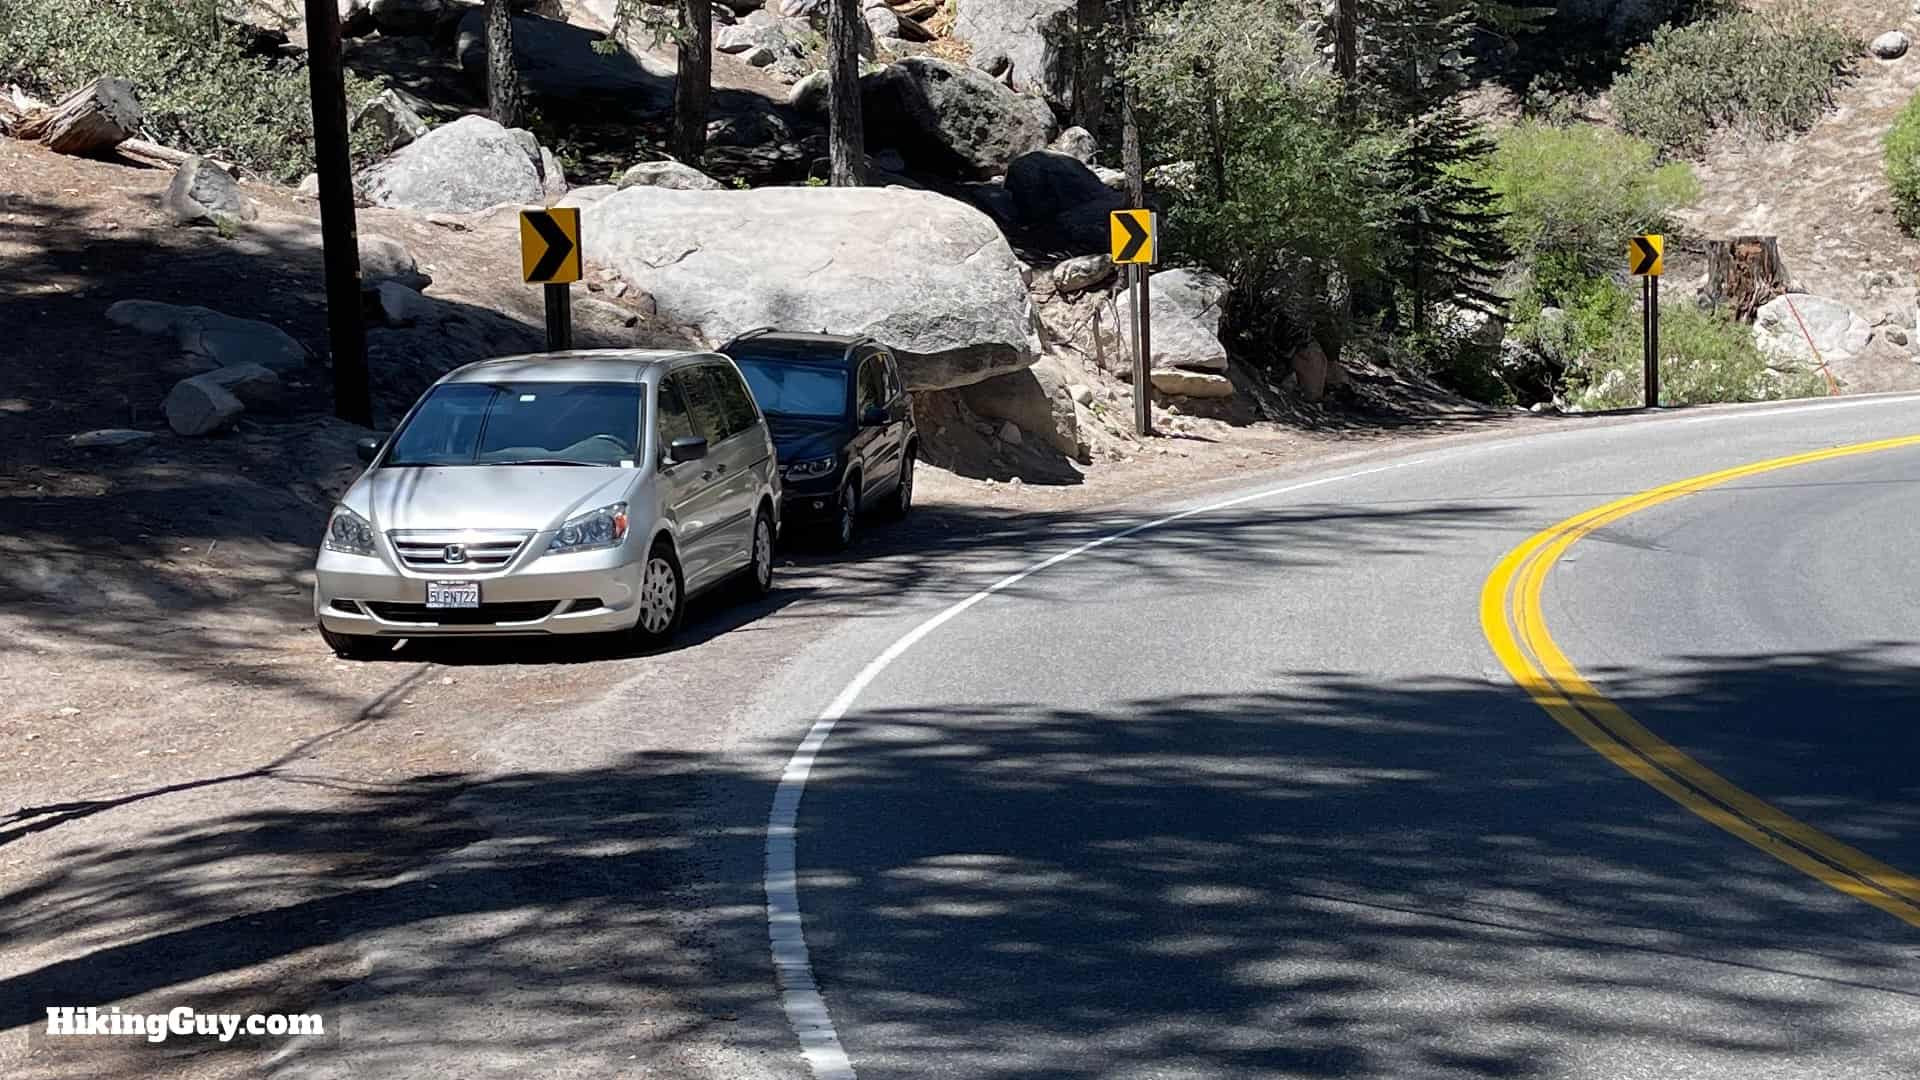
{"x":663,"y":597}
{"x":354,"y":646}
{"x":902,"y":500}
{"x":840,"y":533}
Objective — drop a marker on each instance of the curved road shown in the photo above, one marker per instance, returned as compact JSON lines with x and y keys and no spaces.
{"x":1249,"y":794}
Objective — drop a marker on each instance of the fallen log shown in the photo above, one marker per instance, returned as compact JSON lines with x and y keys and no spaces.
{"x":167,"y":155}
{"x":97,"y":117}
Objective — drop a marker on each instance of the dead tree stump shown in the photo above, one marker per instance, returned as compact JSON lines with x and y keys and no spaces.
{"x":95,"y":118}
{"x":1745,"y":272}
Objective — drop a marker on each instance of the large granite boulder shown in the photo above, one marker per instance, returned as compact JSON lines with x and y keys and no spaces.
{"x":928,"y":275}
{"x":468,"y":165}
{"x":949,"y":119}
{"x":1838,"y":332}
{"x":1038,"y":38}
{"x":215,"y":339}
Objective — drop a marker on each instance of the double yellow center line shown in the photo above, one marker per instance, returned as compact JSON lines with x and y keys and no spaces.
{"x":1511,"y":617}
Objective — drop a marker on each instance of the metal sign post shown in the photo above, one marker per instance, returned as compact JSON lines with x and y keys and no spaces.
{"x":550,"y":256}
{"x":1646,"y":261}
{"x":1136,"y":246}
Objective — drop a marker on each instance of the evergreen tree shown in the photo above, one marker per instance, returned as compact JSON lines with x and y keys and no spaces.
{"x":1446,"y":237}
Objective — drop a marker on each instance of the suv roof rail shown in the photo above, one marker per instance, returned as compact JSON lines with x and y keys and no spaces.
{"x":744,"y":335}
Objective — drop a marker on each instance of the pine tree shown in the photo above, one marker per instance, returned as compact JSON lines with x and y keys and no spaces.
{"x":1447,"y":246}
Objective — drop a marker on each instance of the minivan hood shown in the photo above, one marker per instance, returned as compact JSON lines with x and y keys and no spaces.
{"x":531,"y":497}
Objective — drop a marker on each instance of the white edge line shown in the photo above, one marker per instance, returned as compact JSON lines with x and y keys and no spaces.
{"x":800,"y":996}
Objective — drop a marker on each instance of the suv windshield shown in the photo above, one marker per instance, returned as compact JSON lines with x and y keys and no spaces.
{"x":538,"y":423}
{"x":788,"y":389}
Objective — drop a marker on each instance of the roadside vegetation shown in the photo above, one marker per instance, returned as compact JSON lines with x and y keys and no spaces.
{"x":203,"y":91}
{"x":1902,"y":156}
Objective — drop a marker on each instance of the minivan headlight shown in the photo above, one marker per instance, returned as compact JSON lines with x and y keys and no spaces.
{"x":602,"y":528}
{"x":349,"y":532}
{"x":804,"y":470}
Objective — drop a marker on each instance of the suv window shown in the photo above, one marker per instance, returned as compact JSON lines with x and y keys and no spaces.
{"x":674,"y":422}
{"x":703,"y":403}
{"x":873,"y":384}
{"x":735,"y":400}
{"x":893,"y":376}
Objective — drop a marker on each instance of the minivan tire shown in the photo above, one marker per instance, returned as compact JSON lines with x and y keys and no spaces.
{"x":902,"y":500}
{"x":660,"y":572}
{"x":756,"y":580}
{"x":354,"y":646}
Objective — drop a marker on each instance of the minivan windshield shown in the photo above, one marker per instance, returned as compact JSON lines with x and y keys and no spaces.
{"x":787,"y":389}
{"x":535,"y":423}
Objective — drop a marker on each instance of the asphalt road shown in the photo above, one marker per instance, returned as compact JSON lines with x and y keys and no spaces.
{"x":1249,"y":794}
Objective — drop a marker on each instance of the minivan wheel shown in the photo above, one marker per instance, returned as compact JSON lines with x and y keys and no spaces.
{"x":663,"y":597}
{"x":840,"y":533}
{"x":759,"y":575}
{"x":902,"y":500}
{"x":354,"y":646}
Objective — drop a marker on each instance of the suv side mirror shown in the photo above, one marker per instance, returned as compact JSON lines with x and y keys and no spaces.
{"x":369,"y":447}
{"x":876,"y":416}
{"x":686,"y":448}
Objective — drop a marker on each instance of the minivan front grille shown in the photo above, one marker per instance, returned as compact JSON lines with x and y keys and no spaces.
{"x":455,"y":551}
{"x":518,"y":611}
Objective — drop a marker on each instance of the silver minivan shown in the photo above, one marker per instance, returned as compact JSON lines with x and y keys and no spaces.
{"x":561,"y":493}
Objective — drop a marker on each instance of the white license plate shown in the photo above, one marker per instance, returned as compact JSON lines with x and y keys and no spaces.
{"x":453,"y":594}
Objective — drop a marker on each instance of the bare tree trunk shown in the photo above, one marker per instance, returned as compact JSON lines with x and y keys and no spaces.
{"x":504,"y":101}
{"x":846,"y":139}
{"x":1346,"y":47}
{"x":1090,"y":74}
{"x":693,"y":81}
{"x":1131,"y":157}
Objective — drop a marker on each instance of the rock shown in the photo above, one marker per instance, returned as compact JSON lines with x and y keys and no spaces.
{"x":801,"y":9}
{"x":561,"y":68}
{"x":992,"y":61}
{"x":1082,"y":393}
{"x":759,"y":56}
{"x":1075,"y":275}
{"x":1891,"y":45}
{"x":470,"y":164}
{"x":880,"y":20}
{"x":383,"y":258}
{"x":809,"y":95}
{"x":1113,"y":178}
{"x":1177,"y":176}
{"x":1009,"y":433}
{"x":755,"y":128}
{"x":553,"y":178}
{"x":1185,"y":383}
{"x":203,"y":193}
{"x":109,"y":439}
{"x":1838,"y":331}
{"x":194,"y":407}
{"x":603,"y":324}
{"x":783,"y":37}
{"x":668,"y":174}
{"x":951,"y":120}
{"x":1186,"y":306}
{"x":400,"y":17}
{"x":928,"y":275}
{"x":888,"y":161}
{"x":392,"y":118}
{"x":582,"y":197}
{"x":1046,"y":184}
{"x":1897,"y":337}
{"x":1076,"y":143}
{"x":1039,"y":38}
{"x":254,"y":385}
{"x":209,"y":335}
{"x":393,"y":304}
{"x":1035,"y":400}
{"x":740,"y":7}
{"x":309,"y":186}
{"x":993,"y":199}
{"x":1310,"y":370}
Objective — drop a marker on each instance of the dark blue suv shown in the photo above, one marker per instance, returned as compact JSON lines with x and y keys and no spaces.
{"x":842,"y":426}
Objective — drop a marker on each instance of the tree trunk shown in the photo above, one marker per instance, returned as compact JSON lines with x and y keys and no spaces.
{"x":99,"y":116}
{"x":504,"y":100}
{"x":1090,"y":73}
{"x":693,"y":81}
{"x":1132,"y":158}
{"x":846,"y":139}
{"x":1745,"y":271}
{"x":1346,"y":47}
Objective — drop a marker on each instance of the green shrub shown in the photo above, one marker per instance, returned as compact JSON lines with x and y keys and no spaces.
{"x":1705,"y":357}
{"x":1770,"y":74}
{"x":1902,"y":154}
{"x":1573,"y":195}
{"x":202,"y":91}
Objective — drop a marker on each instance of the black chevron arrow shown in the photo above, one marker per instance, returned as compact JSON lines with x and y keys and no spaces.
{"x":559,"y":246}
{"x":1646,"y":257}
{"x":1136,"y":238}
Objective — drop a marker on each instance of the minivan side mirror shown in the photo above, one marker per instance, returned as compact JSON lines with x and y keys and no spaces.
{"x":875,"y":416}
{"x":369,"y":447}
{"x":686,"y":448}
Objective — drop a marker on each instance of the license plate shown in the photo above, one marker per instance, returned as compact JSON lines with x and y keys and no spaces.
{"x":453,"y":594}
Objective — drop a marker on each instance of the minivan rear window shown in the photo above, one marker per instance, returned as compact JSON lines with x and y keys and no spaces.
{"x":538,"y":423}
{"x":787,"y":389}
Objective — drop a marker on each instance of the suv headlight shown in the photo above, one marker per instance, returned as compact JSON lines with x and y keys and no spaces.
{"x":348,"y":532}
{"x":602,"y":528}
{"x":806,"y":470}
